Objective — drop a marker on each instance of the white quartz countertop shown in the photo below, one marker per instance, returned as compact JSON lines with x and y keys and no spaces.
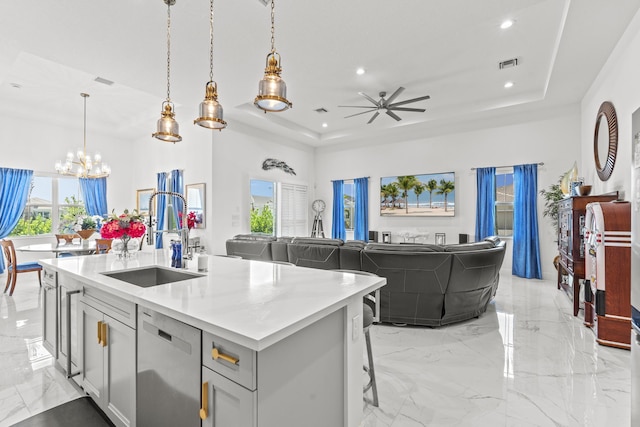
{"x":252,"y":303}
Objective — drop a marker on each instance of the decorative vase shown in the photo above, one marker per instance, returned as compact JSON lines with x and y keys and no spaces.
{"x":86,"y":234}
{"x":125,"y":247}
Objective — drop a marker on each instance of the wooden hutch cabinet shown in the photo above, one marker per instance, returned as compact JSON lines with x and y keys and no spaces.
{"x":571,"y":216}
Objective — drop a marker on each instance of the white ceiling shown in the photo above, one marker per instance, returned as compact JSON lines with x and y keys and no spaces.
{"x":448,"y":50}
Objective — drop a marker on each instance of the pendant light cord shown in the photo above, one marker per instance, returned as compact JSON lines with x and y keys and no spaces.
{"x":168,"y":51}
{"x":84,"y":149}
{"x":211,"y":41}
{"x":273,"y":28}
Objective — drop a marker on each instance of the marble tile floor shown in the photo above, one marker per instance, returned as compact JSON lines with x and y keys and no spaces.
{"x":526,"y":362}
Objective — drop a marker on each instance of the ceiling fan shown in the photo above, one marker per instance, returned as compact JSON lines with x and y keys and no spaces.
{"x":387,"y":104}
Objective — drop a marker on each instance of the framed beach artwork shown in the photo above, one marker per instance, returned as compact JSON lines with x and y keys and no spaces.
{"x":427,"y":195}
{"x":142,"y":200}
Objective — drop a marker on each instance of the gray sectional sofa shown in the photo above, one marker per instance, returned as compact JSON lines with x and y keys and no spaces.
{"x":427,"y":285}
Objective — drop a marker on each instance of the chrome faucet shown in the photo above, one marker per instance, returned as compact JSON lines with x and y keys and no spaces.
{"x":184,"y":231}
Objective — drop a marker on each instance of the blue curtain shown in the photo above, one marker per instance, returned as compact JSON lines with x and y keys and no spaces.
{"x":161,"y":206}
{"x":94,"y":191}
{"x":361,"y":220}
{"x":14,"y":190}
{"x":337,"y":219}
{"x":526,"y":246}
{"x":485,"y":203}
{"x":177,"y":186}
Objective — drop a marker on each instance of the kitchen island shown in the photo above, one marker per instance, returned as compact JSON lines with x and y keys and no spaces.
{"x":283,"y":343}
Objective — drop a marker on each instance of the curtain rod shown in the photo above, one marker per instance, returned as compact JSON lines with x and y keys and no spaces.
{"x":509,"y":166}
{"x":349,"y":179}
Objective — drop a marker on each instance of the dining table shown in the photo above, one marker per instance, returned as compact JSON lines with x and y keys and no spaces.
{"x":87,"y":247}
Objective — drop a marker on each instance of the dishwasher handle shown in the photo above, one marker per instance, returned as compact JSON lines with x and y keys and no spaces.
{"x":69,"y":373}
{"x":166,"y":337}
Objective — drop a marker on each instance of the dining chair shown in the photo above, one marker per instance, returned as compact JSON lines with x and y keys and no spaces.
{"x":103,"y":246}
{"x":67,"y":238}
{"x":13,"y":268}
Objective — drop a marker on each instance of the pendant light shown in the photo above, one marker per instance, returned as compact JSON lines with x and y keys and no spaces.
{"x":272,"y":90}
{"x":168,"y":129}
{"x":210,"y":109}
{"x":87,"y":167}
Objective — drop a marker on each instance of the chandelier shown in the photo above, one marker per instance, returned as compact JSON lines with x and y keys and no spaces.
{"x":81,"y":164}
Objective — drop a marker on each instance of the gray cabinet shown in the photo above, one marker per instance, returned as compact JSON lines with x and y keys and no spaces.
{"x":226,"y":403}
{"x":50,"y":312}
{"x":108,"y":357}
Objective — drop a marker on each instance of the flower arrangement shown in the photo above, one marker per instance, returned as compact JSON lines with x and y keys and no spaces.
{"x":86,"y":222}
{"x":127,"y":225}
{"x":191,"y":219}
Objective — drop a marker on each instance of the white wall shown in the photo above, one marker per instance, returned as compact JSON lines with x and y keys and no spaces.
{"x":553,"y":140}
{"x":619,"y":83}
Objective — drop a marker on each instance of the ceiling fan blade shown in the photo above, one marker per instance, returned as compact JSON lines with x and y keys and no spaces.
{"x":395,"y":116}
{"x":371,"y":107}
{"x":373,"y":117}
{"x":394,"y":96}
{"x":416,"y":110}
{"x":408,"y":101}
{"x":368,"y":97}
{"x":357,"y":114}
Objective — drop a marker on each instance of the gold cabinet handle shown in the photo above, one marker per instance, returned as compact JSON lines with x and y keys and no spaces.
{"x":204,"y":410}
{"x":99,"y":332}
{"x":104,"y":328}
{"x":217,"y":355}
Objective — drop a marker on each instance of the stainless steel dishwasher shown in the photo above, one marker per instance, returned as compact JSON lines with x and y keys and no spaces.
{"x":169,"y":365}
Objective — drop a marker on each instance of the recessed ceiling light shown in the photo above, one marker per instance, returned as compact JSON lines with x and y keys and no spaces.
{"x":360,"y":71}
{"x":324,"y":125}
{"x":507,"y":85}
{"x":506,"y":24}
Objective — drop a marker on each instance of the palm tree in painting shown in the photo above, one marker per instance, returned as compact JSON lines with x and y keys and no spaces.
{"x":431,"y":185}
{"x":394,"y":192}
{"x":384,"y":195}
{"x":406,"y":183}
{"x":445,"y":188}
{"x":418,"y":189}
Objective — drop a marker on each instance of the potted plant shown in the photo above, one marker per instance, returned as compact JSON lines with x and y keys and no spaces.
{"x":552,"y":195}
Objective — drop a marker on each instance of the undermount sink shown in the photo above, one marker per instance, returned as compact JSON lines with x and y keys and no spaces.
{"x":152,"y":276}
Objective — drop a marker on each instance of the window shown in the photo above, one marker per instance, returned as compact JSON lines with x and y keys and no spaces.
{"x":278,"y":209}
{"x":263,"y":197}
{"x":292,"y":210}
{"x":504,"y":203}
{"x":52,"y":205}
{"x":349,"y":190}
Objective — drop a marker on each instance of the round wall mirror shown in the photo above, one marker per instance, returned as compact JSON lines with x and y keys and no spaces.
{"x":605,"y":140}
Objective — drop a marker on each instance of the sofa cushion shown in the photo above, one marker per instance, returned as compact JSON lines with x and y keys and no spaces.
{"x":317,"y":241}
{"x":323,"y":256}
{"x":404,"y":247}
{"x":350,"y":258}
{"x":465,"y":247}
{"x":264,"y":237}
{"x":279,"y":249}
{"x":250,"y":249}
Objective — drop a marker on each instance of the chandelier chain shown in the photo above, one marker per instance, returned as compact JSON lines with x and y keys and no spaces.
{"x":168,"y":51}
{"x":273,"y":28}
{"x":211,"y":40}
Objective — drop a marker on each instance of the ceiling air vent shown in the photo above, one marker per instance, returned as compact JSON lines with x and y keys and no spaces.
{"x":103,"y":81}
{"x":321,"y":110}
{"x":509,"y":63}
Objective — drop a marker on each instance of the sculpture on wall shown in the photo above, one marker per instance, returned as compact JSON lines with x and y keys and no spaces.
{"x":277,"y":164}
